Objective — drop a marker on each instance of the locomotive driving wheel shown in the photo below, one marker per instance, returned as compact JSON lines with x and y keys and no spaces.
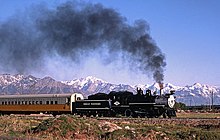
{"x":128,"y":113}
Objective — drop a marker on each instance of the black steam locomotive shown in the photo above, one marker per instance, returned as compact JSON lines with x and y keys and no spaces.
{"x":127,"y":104}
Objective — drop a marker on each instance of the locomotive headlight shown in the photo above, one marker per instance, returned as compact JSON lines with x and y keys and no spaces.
{"x":171,"y":101}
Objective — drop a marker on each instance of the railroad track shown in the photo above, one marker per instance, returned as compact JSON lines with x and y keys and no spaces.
{"x":125,"y":118}
{"x":205,"y":123}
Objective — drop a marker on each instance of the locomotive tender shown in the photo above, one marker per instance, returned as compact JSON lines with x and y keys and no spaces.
{"x":122,"y":103}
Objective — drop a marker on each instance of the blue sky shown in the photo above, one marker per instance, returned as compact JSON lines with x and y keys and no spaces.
{"x":187,"y":32}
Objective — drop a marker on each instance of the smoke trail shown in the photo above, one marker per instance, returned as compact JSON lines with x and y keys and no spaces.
{"x":74,"y":29}
{"x":20,"y":49}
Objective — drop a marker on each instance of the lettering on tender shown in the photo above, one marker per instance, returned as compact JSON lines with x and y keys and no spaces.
{"x":95,"y":103}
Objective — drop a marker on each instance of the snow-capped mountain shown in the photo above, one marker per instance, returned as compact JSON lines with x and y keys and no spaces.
{"x":91,"y":85}
{"x":7,"y":79}
{"x":21,"y":84}
{"x":196,"y":94}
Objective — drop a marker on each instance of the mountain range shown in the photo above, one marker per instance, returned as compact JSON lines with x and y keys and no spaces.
{"x":195,"y":94}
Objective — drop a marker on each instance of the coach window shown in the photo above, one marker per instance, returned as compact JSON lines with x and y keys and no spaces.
{"x":19,"y":102}
{"x":26,"y":102}
{"x":15,"y":102}
{"x":3,"y":103}
{"x":36,"y":102}
{"x":32,"y":102}
{"x":56,"y":102}
{"x":47,"y":102}
{"x":51,"y":102}
{"x":12,"y":102}
{"x":40,"y":102}
{"x":29,"y":103}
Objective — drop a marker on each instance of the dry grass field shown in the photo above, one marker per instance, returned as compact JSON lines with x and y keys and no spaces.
{"x":73,"y":127}
{"x":198,"y":115}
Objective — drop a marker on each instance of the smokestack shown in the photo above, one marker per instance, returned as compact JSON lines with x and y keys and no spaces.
{"x":161,"y":88}
{"x":73,"y":30}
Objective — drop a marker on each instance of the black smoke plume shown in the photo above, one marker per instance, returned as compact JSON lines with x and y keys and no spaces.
{"x":73,"y":29}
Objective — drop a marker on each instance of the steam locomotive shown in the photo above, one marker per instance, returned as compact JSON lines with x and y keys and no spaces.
{"x":127,"y":104}
{"x":122,"y":103}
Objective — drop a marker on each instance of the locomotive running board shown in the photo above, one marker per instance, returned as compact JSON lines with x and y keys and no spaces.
{"x":93,"y":108}
{"x":159,"y":105}
{"x":142,"y":103}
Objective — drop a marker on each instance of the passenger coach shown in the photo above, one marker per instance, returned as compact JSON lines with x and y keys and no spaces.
{"x":38,"y":103}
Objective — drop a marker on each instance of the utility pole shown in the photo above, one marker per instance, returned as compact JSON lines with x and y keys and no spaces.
{"x":212,"y":99}
{"x":190,"y":100}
